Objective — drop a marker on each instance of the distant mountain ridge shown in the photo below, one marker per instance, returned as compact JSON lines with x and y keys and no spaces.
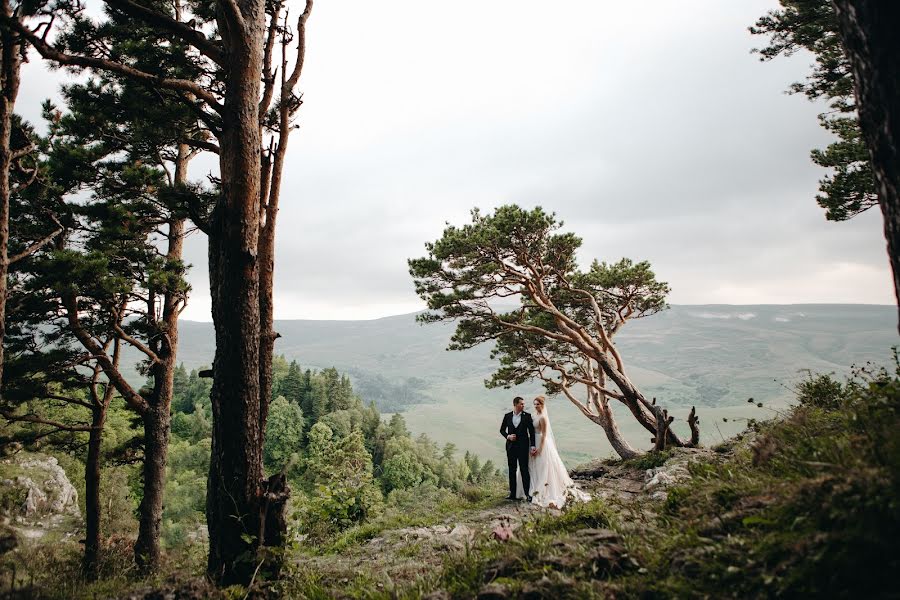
{"x":713,"y":356}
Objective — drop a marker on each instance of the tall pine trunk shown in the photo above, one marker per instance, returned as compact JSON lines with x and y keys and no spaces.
{"x":233,"y":498}
{"x":156,"y":441}
{"x":157,"y":417}
{"x":91,"y":560}
{"x":869,"y":32}
{"x":10,"y":63}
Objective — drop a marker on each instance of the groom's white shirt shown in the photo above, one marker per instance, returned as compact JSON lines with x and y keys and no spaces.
{"x":517,"y":418}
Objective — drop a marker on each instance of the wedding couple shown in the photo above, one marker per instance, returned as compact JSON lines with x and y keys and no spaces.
{"x":531,"y":450}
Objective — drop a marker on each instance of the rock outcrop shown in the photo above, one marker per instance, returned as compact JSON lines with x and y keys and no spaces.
{"x":39,"y":489}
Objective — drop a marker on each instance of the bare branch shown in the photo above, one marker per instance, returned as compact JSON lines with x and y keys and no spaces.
{"x":136,"y":343}
{"x":301,"y":50}
{"x":268,"y":75}
{"x":201,"y":144}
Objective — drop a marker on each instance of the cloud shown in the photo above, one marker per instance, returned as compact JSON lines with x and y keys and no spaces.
{"x":649,"y":129}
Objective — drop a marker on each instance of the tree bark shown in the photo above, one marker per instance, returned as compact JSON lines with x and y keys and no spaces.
{"x":233,"y":490}
{"x":91,"y":560}
{"x":635,"y":401}
{"x":157,"y":417}
{"x":10,"y":64}
{"x":607,"y":421}
{"x":156,"y":439}
{"x":869,"y":31}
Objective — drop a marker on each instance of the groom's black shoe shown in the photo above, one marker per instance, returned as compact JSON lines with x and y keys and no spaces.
{"x":510,"y":498}
{"x":527,"y":498}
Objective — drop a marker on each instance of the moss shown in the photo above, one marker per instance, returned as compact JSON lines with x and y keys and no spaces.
{"x":650,"y":460}
{"x":593,"y":514}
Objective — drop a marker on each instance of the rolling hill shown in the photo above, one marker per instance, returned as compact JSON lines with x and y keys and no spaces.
{"x":712,"y":356}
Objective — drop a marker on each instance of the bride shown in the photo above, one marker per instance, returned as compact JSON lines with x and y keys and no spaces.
{"x":551,"y":485}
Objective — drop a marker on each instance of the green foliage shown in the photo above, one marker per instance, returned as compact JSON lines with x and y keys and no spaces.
{"x":402,"y":467}
{"x":518,"y":252}
{"x":341,"y":489}
{"x":820,"y":391}
{"x":291,"y":386}
{"x":12,"y":499}
{"x":578,"y":515}
{"x":812,"y":25}
{"x":118,"y":504}
{"x":185,"y":505}
{"x":284,"y":433}
{"x":190,"y":392}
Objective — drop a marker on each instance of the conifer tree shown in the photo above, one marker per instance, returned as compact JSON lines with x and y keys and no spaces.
{"x":291,"y":386}
{"x":562,"y":334}
{"x":251,"y":58}
{"x":19,"y":164}
{"x":812,"y":25}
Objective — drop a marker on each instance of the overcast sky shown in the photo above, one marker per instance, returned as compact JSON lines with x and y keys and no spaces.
{"x":648,"y":127}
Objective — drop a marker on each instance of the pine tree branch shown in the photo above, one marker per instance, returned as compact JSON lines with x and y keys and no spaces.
{"x":134,"y":400}
{"x":32,"y":177}
{"x":182,"y":30}
{"x":32,"y":418}
{"x":69,"y":400}
{"x":30,"y":250}
{"x":136,"y":343}
{"x":201,"y":144}
{"x":52,"y":54}
{"x":23,"y":151}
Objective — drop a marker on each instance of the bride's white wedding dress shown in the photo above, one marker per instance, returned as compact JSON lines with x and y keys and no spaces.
{"x":551,"y":485}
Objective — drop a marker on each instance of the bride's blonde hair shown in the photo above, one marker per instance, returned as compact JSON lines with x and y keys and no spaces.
{"x":540,"y":400}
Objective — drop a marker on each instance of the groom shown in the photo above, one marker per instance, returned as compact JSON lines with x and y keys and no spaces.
{"x":518,"y":429}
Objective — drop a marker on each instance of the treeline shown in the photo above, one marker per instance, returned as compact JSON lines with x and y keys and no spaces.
{"x":344,"y":462}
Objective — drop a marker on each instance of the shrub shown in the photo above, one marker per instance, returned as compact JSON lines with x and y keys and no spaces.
{"x":821,"y":391}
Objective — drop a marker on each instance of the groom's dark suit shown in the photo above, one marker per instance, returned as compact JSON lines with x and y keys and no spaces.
{"x":517,"y":451}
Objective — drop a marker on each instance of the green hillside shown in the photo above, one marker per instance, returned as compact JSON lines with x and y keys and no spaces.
{"x":714,"y":356}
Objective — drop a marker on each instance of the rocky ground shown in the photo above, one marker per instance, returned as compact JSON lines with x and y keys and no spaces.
{"x":37,"y":500}
{"x":399,"y":557}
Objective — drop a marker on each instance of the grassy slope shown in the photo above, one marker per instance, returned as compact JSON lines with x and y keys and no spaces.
{"x":801,"y":506}
{"x":804,"y":505}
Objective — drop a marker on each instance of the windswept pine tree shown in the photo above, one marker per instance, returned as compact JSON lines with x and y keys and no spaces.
{"x":562,"y":333}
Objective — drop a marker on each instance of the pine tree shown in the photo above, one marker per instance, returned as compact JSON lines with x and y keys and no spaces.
{"x":291,"y":386}
{"x":236,"y":100}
